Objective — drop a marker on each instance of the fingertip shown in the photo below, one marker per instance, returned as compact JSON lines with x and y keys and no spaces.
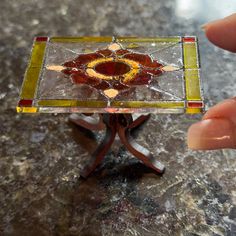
{"x":211,"y":134}
{"x":193,"y":141}
{"x":225,"y":109}
{"x":222,"y":32}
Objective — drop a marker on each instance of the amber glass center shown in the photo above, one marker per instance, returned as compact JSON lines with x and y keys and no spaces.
{"x":112,"y":68}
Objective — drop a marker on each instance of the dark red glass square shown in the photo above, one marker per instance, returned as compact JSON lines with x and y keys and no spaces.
{"x":25,"y":103}
{"x":189,"y":39}
{"x":41,"y":39}
{"x":195,"y":104}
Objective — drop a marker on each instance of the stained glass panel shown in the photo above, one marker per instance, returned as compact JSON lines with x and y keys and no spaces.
{"x":117,"y":75}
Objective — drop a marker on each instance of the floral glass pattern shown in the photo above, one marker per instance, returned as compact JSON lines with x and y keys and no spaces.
{"x":112,"y":70}
{"x":117,"y":75}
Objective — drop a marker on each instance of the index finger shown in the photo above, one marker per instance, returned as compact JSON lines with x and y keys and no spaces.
{"x":222,"y":32}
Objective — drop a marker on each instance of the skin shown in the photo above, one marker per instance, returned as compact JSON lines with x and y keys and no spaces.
{"x":217,"y":129}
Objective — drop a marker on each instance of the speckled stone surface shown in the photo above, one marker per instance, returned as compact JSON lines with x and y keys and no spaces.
{"x":40,"y":161}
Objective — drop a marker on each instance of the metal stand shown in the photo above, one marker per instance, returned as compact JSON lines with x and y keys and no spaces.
{"x":120,"y":124}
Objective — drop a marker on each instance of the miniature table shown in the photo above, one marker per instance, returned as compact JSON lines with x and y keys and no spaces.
{"x":113,"y":77}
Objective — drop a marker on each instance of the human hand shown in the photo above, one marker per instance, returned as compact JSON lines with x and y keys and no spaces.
{"x":218,"y":127}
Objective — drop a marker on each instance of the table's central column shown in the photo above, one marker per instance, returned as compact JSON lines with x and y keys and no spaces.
{"x":120,"y":124}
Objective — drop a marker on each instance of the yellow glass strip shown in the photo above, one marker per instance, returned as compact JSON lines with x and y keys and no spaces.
{"x":33,"y":71}
{"x":30,"y":83}
{"x":37,"y":54}
{"x":141,"y":104}
{"x":190,"y":55}
{"x":121,"y":104}
{"x":193,"y":110}
{"x":153,"y":39}
{"x":192,"y":82}
{"x":71,"y":103}
{"x":26,"y":109}
{"x":80,"y":39}
{"x":109,"y":39}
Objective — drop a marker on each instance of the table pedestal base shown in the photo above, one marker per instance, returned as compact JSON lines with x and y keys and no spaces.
{"x":120,"y":124}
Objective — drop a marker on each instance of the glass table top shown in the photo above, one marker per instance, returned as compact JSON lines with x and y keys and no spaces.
{"x":112,"y":74}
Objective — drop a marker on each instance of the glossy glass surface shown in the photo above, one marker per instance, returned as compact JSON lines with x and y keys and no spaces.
{"x":117,"y":75}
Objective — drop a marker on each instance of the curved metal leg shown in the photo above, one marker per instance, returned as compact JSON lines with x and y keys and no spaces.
{"x":87,"y":122}
{"x":137,"y":150}
{"x":103,"y":148}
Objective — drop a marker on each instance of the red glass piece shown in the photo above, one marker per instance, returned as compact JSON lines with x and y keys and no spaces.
{"x":41,"y":39}
{"x":122,"y":52}
{"x":120,"y":86}
{"x":141,"y":78}
{"x":112,"y":68}
{"x":155,"y":65}
{"x":70,"y":71}
{"x":79,"y":78}
{"x":84,"y":59}
{"x":141,"y":58}
{"x":70,"y":64}
{"x":102,"y":85}
{"x":144,"y":60}
{"x":105,"y":52}
{"x":189,"y":39}
{"x":25,"y":103}
{"x":195,"y":104}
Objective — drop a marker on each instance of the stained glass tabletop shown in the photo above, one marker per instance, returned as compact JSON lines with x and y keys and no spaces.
{"x":112,"y":75}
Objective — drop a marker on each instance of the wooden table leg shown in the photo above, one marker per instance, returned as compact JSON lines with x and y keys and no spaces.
{"x":104,"y":146}
{"x":123,"y":129}
{"x":139,"y":121}
{"x":121,"y":124}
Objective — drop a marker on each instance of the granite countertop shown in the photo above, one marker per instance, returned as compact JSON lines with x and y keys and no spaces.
{"x":40,"y":161}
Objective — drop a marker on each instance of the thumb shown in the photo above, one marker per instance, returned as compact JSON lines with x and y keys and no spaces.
{"x":217,"y":129}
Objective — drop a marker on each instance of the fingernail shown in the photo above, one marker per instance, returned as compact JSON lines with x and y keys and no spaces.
{"x":212,"y":134}
{"x":204,"y":26}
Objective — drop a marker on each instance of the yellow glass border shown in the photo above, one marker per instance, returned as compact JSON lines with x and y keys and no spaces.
{"x":150,"y":104}
{"x":115,"y":104}
{"x":27,"y":109}
{"x":175,"y":39}
{"x":190,"y":54}
{"x":33,"y":70}
{"x":58,"y":39}
{"x":192,"y":83}
{"x":106,"y":39}
{"x":193,"y":110}
{"x":191,"y":72}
